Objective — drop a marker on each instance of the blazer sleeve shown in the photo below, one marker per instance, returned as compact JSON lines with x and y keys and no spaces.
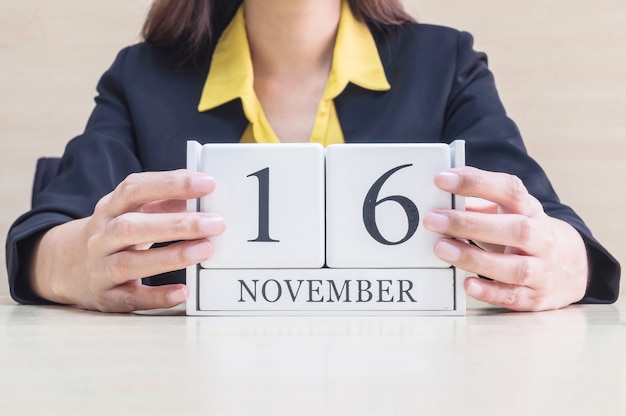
{"x":92,"y":166}
{"x":476,"y":114}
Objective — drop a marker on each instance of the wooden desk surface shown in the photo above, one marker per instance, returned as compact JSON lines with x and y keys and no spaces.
{"x":57,"y":360}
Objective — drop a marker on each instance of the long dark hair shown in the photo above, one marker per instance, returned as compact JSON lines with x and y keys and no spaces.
{"x":190,"y":26}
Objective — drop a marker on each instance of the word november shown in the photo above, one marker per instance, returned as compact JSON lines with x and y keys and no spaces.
{"x":272,"y":290}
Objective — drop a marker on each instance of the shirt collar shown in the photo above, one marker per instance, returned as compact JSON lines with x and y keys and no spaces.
{"x":230,"y":75}
{"x":355,"y":59}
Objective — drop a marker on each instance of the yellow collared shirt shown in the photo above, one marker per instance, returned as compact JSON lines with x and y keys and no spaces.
{"x":231,"y":76}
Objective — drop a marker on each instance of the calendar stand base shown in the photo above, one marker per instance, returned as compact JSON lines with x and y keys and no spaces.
{"x":251,"y":292}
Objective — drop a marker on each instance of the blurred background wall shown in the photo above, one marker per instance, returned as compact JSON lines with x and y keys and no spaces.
{"x":560,"y":67}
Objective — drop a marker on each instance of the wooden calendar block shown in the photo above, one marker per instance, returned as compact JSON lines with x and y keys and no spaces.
{"x":285,"y":204}
{"x":376,"y":196}
{"x":272,"y":199}
{"x":327,"y":291}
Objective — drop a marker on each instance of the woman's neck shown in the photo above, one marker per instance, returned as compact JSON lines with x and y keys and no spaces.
{"x":291,"y":38}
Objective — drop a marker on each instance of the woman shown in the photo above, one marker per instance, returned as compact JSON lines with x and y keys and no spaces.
{"x":327,"y":71}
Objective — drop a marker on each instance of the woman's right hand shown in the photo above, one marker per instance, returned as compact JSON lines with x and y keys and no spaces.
{"x":98,"y":262}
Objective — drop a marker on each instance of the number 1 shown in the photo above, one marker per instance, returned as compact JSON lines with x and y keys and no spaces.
{"x":264,"y":206}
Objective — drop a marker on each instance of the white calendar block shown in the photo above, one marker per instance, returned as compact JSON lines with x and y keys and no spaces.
{"x":376,"y":196}
{"x":272,"y":199}
{"x":290,"y":208}
{"x":327,"y":291}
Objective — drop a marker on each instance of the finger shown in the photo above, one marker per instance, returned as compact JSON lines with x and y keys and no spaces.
{"x":132,"y":229}
{"x":517,"y":298}
{"x":496,"y":248}
{"x":506,"y":268}
{"x":481,"y":205}
{"x":523,"y":233}
{"x":142,"y":188}
{"x":167,"y":205}
{"x":506,"y":190}
{"x":130,"y":265}
{"x":135,"y":297}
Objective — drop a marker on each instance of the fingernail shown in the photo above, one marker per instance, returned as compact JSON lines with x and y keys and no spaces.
{"x":436,"y":222}
{"x":475,"y":289}
{"x":447,"y":181}
{"x":212,"y":225}
{"x":200,"y":251}
{"x":447,"y":251}
{"x":202,"y":183}
{"x":177,"y":296}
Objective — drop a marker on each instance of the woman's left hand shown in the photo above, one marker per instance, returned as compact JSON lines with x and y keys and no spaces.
{"x":536,"y":262}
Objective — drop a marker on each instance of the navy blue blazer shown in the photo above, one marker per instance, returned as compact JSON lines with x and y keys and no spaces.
{"x":146,"y":109}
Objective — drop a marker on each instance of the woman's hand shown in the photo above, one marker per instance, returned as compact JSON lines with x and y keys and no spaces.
{"x":536,"y":262}
{"x":98,"y":262}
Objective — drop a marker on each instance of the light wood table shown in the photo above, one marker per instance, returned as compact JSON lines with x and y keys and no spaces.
{"x":56,"y":360}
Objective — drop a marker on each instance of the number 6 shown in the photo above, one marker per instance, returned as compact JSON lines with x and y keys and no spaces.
{"x":371,"y":202}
